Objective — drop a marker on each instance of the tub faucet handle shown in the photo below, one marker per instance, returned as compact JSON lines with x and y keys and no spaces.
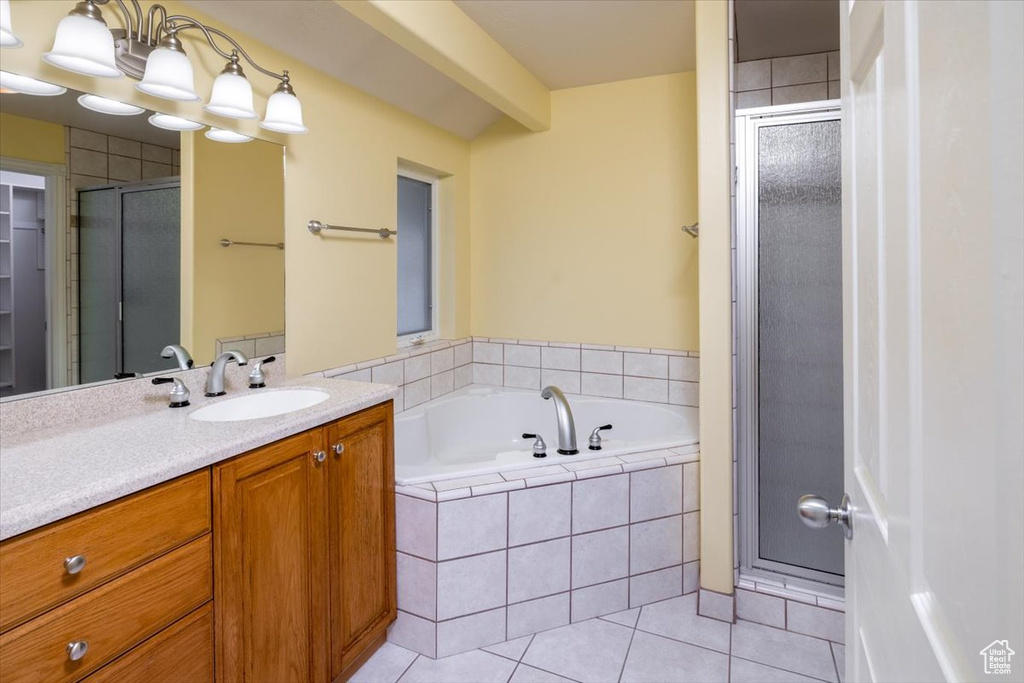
{"x":595,"y":437}
{"x":540,"y":449}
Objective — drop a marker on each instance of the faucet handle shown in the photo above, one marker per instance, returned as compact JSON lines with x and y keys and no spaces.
{"x":595,"y":437}
{"x":179,"y":392}
{"x":540,"y":449}
{"x":256,"y":379}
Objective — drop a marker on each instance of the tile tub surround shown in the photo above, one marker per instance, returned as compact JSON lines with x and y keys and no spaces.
{"x":497,"y":557}
{"x":438,"y":368}
{"x":53,"y":473}
{"x":792,"y":608}
{"x":664,"y":641}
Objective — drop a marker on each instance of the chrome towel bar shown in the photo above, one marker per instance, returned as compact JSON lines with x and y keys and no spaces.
{"x":316,"y":226}
{"x":229,"y":243}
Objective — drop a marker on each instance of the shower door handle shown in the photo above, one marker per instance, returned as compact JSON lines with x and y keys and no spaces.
{"x":815,"y":512}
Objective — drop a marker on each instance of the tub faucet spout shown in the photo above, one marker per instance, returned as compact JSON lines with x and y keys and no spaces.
{"x":566,"y":425}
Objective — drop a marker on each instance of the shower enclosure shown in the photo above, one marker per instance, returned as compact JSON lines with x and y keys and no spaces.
{"x":789,"y":335}
{"x":129,"y":277}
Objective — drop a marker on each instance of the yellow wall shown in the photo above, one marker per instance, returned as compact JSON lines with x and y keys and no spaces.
{"x":32,"y":140}
{"x":237,"y":192}
{"x":576,"y":231}
{"x":340,"y":291}
{"x":716,"y":490}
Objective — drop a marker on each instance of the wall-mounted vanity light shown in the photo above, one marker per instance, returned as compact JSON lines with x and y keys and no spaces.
{"x":105,"y":105}
{"x":169,"y":122}
{"x":150,"y":50}
{"x":23,"y":85}
{"x":220,"y":135}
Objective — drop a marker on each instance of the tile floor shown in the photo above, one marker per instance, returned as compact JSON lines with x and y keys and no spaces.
{"x":665,"y":642}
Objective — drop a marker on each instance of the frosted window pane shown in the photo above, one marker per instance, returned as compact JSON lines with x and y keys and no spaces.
{"x":151,"y":239}
{"x":414,"y":257}
{"x":800,"y":390}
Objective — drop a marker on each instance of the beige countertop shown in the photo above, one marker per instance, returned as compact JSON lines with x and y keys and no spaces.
{"x":46,"y":475}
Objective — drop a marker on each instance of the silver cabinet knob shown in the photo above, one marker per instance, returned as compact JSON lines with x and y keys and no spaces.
{"x":74,"y":564}
{"x":815,"y":512}
{"x":76,"y":649}
{"x":338,"y":448}
{"x":320,"y":456}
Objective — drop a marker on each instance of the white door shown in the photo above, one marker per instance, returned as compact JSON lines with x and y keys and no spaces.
{"x":933,"y":242}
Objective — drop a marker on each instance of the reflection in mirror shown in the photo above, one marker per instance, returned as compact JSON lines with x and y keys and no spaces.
{"x":111,"y":233}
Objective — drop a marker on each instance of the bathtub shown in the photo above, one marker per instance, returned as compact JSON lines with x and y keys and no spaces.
{"x":478,"y":430}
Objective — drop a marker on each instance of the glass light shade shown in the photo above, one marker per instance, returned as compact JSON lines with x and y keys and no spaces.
{"x":23,"y":85}
{"x":105,"y":105}
{"x":7,"y":37}
{"x":169,"y":75}
{"x":232,"y":97}
{"x":284,"y":114}
{"x":85,"y":46}
{"x":168,"y":122}
{"x":221,"y":135}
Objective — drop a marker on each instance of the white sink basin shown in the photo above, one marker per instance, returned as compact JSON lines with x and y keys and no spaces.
{"x":253,"y":406}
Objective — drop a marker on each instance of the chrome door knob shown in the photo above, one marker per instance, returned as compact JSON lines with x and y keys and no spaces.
{"x":320,"y":456}
{"x":76,"y":649}
{"x":74,"y":564}
{"x":815,"y":512}
{"x":338,"y":448}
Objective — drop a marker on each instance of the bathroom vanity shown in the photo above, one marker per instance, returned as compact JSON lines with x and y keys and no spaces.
{"x":269,"y":563}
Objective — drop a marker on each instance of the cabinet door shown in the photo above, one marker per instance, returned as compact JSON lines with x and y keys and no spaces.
{"x":270,"y":557}
{"x":362,"y":513}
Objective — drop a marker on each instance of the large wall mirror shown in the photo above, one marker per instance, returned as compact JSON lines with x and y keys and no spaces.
{"x":118,"y":238}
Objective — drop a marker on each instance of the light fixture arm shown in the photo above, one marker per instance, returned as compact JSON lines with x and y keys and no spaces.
{"x":128,"y":22}
{"x":150,"y":38}
{"x":173,"y":27}
{"x":138,"y":20}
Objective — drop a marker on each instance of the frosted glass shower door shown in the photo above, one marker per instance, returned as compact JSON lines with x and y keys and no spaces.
{"x":792,"y":340}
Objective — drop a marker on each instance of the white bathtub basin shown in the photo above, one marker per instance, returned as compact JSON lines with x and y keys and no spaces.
{"x":478,"y":430}
{"x":267,"y":404}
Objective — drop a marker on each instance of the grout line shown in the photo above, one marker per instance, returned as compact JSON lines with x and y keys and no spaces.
{"x":625,"y":659}
{"x":835,"y":662}
{"x":406,"y":670}
{"x":786,"y":630}
{"x":777,"y":668}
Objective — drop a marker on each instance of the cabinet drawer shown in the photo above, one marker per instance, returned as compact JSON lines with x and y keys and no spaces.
{"x":111,"y":619}
{"x":113,"y":539}
{"x":181,"y":653}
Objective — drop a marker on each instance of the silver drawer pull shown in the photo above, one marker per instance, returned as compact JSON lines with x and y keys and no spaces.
{"x":338,"y":448}
{"x":74,"y":564}
{"x":319,"y":456}
{"x":76,"y":649}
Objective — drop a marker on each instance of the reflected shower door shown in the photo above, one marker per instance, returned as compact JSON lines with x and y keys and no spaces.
{"x":151,"y":279}
{"x":99,"y":267}
{"x":792,"y":339}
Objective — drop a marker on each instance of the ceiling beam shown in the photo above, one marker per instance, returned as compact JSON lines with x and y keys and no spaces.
{"x":441,"y":34}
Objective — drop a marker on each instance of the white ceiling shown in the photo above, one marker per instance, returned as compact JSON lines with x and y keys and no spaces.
{"x":326,"y":37}
{"x":564,"y":43}
{"x":784,"y":28}
{"x":569,"y":43}
{"x":65,"y":110}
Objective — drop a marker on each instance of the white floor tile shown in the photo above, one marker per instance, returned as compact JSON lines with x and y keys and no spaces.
{"x":782,"y":649}
{"x":839,"y":653}
{"x":385,"y":666}
{"x":511,"y":649}
{"x":590,"y":651}
{"x":626,"y":617}
{"x":743,"y":671}
{"x":653,"y":659}
{"x":528,"y":674}
{"x":475,"y":666}
{"x":677,"y":618}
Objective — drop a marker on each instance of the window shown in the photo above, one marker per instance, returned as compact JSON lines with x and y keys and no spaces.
{"x":417,"y":258}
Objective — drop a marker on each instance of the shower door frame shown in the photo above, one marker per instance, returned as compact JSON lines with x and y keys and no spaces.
{"x":748,"y":124}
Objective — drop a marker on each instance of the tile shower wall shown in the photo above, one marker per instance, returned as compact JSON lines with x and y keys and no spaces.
{"x":97,"y":159}
{"x":426,"y":372}
{"x":492,"y":558}
{"x":787,"y":80}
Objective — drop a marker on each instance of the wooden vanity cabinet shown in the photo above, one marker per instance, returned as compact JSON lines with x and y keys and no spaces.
{"x":304,"y":556}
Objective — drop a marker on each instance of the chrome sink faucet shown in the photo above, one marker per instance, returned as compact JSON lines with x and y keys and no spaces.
{"x":180,"y":355}
{"x":566,"y":425}
{"x":215,"y":380}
